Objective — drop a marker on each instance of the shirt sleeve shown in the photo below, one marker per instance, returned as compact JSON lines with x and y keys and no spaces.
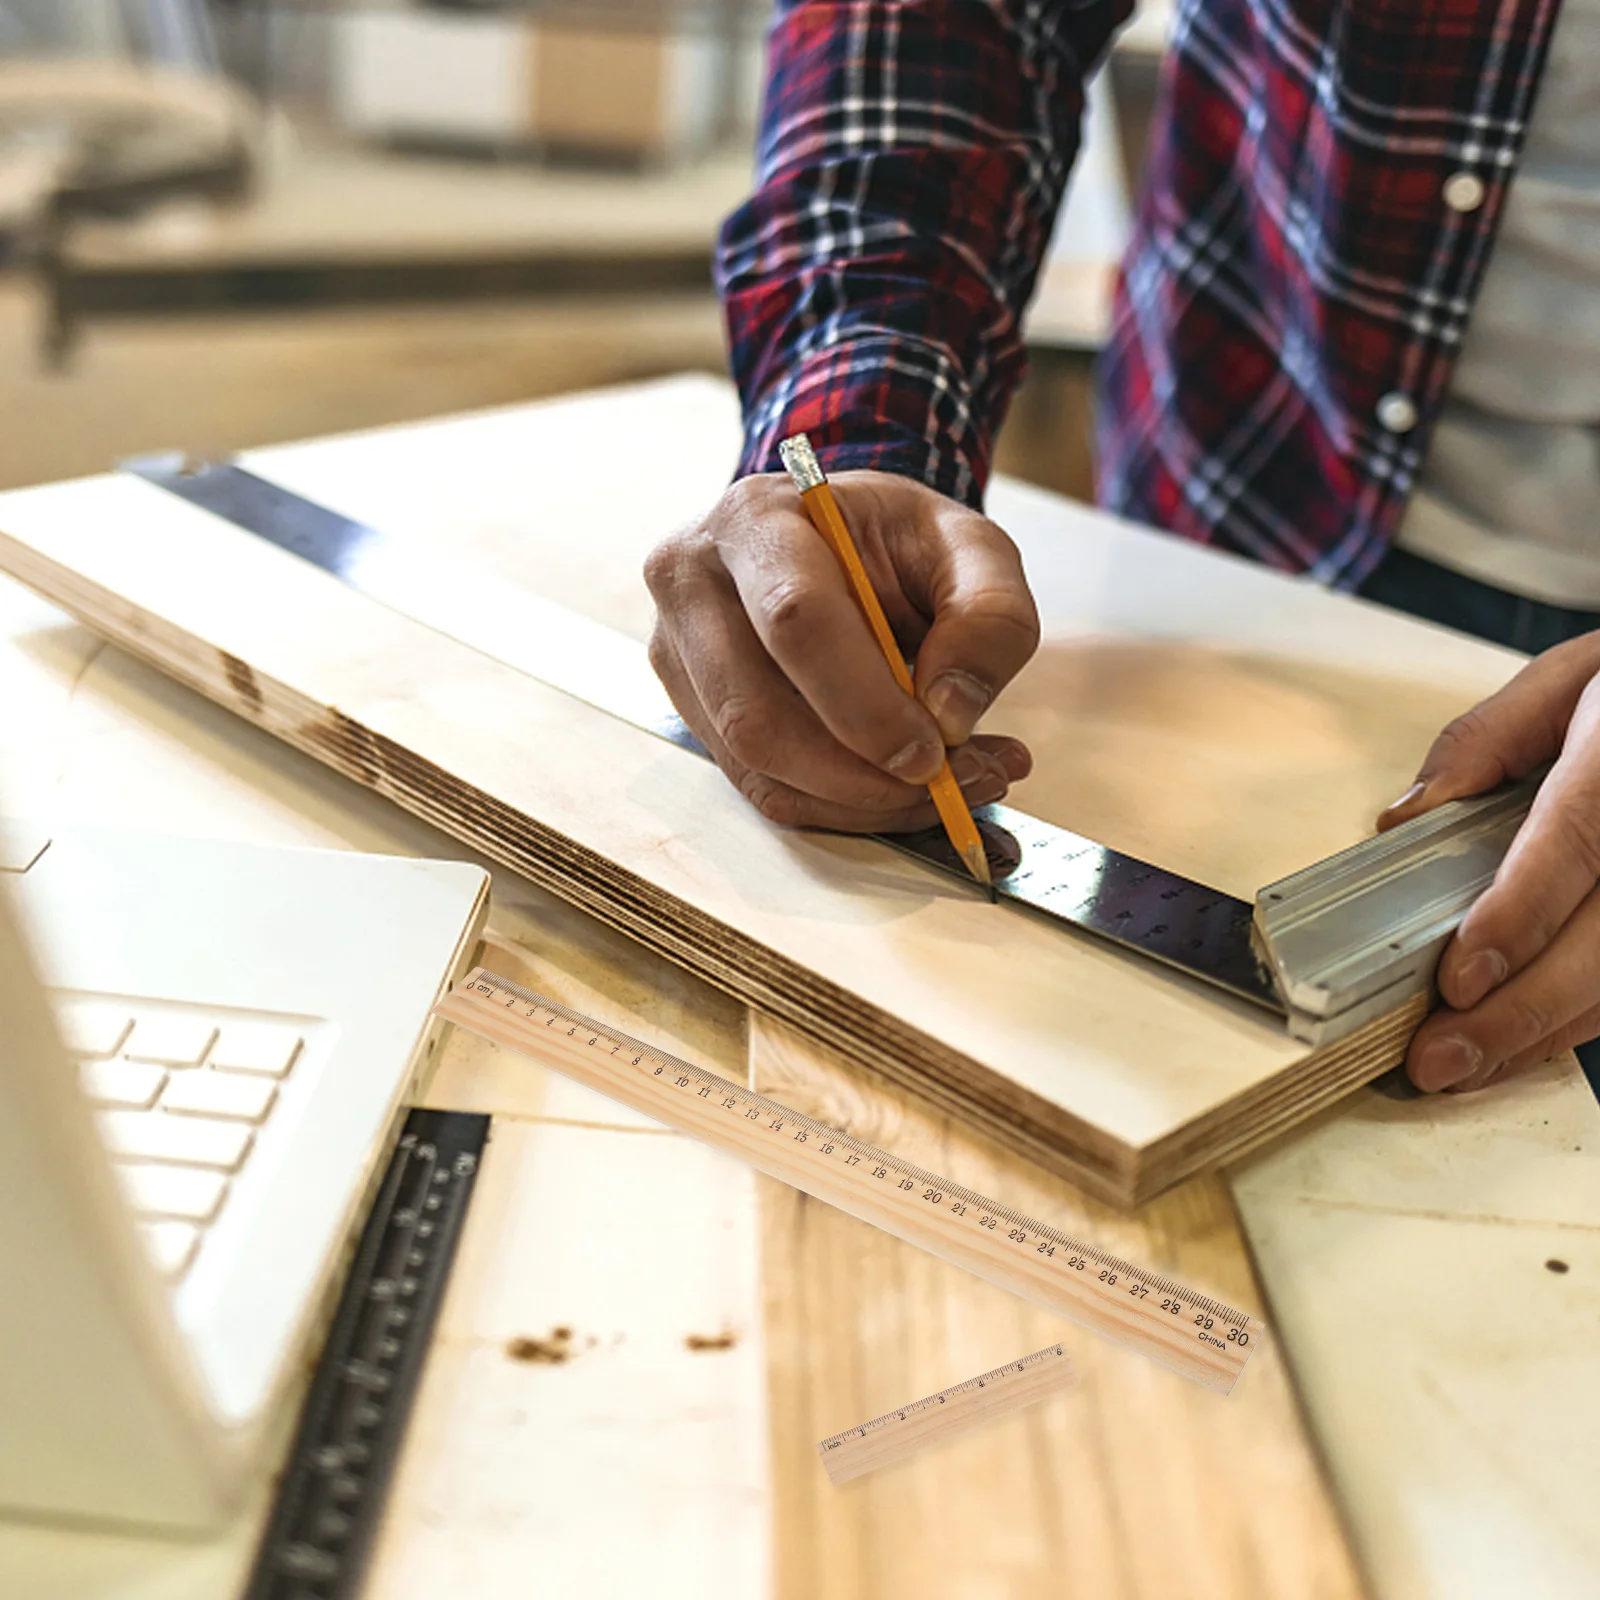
{"x":912,"y":157}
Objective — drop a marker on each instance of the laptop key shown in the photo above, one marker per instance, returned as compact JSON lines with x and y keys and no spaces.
{"x":91,"y":1028}
{"x":134,"y":1084}
{"x":268,"y":1048}
{"x":171,"y":1245}
{"x":190,"y":1194}
{"x":186,"y":1141}
{"x":171,"y":1041}
{"x":220,"y":1094}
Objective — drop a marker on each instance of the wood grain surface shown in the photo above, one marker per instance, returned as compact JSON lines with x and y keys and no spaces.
{"x":1135,"y":1484}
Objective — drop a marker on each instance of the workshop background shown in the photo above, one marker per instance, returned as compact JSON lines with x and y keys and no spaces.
{"x":227,"y":223}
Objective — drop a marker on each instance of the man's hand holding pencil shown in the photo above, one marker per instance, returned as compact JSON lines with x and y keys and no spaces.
{"x":770,"y":660}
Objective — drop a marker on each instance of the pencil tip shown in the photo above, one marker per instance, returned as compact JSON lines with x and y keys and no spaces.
{"x":978,"y":865}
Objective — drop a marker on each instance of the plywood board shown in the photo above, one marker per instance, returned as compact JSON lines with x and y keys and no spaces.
{"x":1185,"y":707}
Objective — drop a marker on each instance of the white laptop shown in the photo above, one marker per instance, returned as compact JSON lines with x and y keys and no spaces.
{"x":205,"y":1053}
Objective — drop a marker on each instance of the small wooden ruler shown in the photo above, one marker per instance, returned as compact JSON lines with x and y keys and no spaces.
{"x":900,"y":1433}
{"x":1190,"y":1333}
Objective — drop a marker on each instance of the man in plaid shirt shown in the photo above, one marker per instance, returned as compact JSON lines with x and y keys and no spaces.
{"x":1288,"y":377}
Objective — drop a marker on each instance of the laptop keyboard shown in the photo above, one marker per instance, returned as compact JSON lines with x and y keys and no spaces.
{"x":181,"y":1098}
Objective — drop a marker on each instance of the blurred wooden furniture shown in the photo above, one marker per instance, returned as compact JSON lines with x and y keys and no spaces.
{"x":332,"y":227}
{"x":636,"y":83}
{"x":124,"y":102}
{"x":414,"y":204}
{"x":125,"y":138}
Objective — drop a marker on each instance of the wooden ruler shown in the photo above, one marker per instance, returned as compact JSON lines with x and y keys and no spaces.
{"x":900,"y":1433}
{"x":1189,"y":1332}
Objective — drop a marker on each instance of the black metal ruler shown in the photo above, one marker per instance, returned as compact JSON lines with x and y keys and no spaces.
{"x":1198,"y":930}
{"x":332,"y":1493}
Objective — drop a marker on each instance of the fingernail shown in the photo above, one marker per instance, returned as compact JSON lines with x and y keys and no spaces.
{"x":1475,"y":977}
{"x":987,"y":790}
{"x":1015,"y":761}
{"x":957,"y":700}
{"x":969,"y":763}
{"x":989,"y":771}
{"x":1414,"y":793}
{"x":1446,"y":1060}
{"x":919,"y":762}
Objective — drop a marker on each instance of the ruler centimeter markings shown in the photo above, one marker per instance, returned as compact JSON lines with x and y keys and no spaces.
{"x":1201,"y":931}
{"x":1191,"y":1333}
{"x":332,"y":1491}
{"x":936,"y":1417}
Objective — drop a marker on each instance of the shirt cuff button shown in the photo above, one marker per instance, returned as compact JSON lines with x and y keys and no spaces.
{"x":1464,"y":191}
{"x":1397,"y":412}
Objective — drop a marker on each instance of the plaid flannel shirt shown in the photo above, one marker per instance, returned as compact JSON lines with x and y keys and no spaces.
{"x":1290,"y":308}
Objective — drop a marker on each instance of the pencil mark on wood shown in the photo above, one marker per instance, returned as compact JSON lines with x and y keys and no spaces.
{"x":1494,"y":1446}
{"x":539,"y":1119}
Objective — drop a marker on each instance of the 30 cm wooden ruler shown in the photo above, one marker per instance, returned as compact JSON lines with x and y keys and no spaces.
{"x":1183,"y":1330}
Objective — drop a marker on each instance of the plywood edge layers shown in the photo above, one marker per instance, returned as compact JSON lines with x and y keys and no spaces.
{"x":1270,"y":1109}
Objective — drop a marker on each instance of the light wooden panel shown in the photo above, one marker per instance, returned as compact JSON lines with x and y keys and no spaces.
{"x":1135,"y":1484}
{"x":1458,"y":1402}
{"x":1231,"y":763}
{"x":591,"y":1418}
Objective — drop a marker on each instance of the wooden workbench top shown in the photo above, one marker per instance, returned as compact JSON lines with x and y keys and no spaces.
{"x":664,"y":1441}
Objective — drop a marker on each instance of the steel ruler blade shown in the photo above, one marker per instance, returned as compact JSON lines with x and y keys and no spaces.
{"x":1200,"y":931}
{"x":1146,"y":1311}
{"x":936,"y":1417}
{"x":333,"y":1487}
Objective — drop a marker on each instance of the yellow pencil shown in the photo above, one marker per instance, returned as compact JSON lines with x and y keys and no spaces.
{"x":826,"y":518}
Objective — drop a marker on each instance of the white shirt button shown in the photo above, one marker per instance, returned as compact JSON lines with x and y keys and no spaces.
{"x":1464,"y":191}
{"x":1397,"y":412}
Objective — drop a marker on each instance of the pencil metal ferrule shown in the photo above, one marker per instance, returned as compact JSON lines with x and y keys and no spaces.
{"x":800,"y":461}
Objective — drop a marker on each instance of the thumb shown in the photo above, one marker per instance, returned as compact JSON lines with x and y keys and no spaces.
{"x":1505,"y":736}
{"x":985,"y":625}
{"x":1470,"y":756}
